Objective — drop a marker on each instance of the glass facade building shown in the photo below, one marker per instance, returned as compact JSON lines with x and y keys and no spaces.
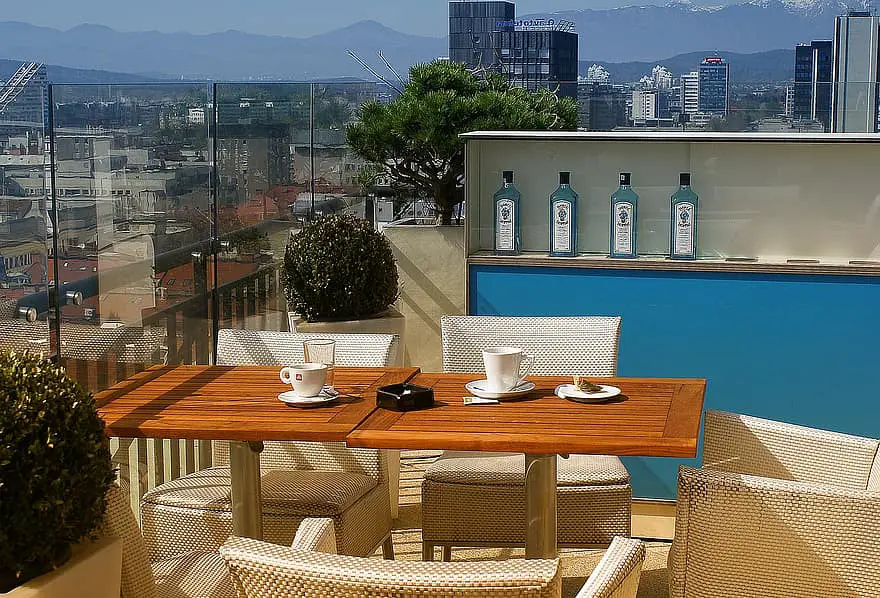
{"x":485,"y":35}
{"x":473,"y":32}
{"x":714,"y":85}
{"x":812,"y":82}
{"x":856,"y":62}
{"x":541,"y":60}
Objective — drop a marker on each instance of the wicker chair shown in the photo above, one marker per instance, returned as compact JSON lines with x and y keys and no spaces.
{"x":262,"y":570}
{"x":194,"y":574}
{"x":299,"y":479}
{"x":477,"y":499}
{"x":777,"y":510}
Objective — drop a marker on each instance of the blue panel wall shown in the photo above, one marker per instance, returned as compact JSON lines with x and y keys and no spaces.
{"x":802,"y":349}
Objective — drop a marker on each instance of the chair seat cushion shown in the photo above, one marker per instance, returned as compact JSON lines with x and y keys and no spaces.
{"x":284,"y":491}
{"x":195,"y":574}
{"x":500,"y":469}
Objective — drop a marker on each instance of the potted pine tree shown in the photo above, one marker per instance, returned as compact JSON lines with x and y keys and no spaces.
{"x":339,"y":275}
{"x":54,"y":472}
{"x":414,"y":143}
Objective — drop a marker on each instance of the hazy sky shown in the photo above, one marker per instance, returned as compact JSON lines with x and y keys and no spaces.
{"x":296,"y":18}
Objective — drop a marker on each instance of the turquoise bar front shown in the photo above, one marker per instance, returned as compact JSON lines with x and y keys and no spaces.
{"x":791,"y":347}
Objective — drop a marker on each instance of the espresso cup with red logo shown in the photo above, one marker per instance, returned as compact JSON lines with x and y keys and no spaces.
{"x":307,"y":379}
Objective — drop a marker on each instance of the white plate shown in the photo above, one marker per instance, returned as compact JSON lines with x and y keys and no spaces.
{"x":570,"y":391}
{"x":478,"y":389}
{"x":327,"y":395}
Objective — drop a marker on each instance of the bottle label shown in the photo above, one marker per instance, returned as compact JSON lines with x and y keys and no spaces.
{"x":561,"y":226}
{"x":683,"y":234}
{"x":623,"y":227}
{"x":504,"y":226}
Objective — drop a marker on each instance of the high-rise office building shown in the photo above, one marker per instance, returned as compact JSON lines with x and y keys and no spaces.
{"x":597,"y":74}
{"x":812,"y":82}
{"x":660,"y":77}
{"x":789,"y":101}
{"x":644,"y":105}
{"x":714,"y":85}
{"x":854,"y":100}
{"x":541,"y":59}
{"x":533,"y":54}
{"x":473,"y":32}
{"x":690,"y":92}
{"x":601,"y":106}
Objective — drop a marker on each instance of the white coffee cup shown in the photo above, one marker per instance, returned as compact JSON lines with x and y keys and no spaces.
{"x":307,"y":379}
{"x":503,"y":367}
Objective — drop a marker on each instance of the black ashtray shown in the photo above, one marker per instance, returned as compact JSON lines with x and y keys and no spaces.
{"x":405,"y":397}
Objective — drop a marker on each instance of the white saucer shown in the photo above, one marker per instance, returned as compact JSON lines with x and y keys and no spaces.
{"x":478,"y":389}
{"x":327,"y":395}
{"x":570,"y":391}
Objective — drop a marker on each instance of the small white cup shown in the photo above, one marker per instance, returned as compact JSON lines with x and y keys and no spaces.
{"x":307,"y":379}
{"x":503,"y":367}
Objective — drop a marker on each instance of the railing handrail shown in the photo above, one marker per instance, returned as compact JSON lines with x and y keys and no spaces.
{"x":157,"y":316}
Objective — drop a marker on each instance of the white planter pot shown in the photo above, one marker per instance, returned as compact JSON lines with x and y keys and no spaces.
{"x":93,"y":571}
{"x":389,"y":322}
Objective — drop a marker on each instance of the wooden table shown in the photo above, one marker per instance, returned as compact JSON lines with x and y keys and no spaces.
{"x":239,"y":404}
{"x":653,"y":417}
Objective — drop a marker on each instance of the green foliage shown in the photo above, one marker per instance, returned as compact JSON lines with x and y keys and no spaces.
{"x":54,"y":466}
{"x":734,"y":121}
{"x":339,"y":268}
{"x":415,"y":138}
{"x":367,"y":177}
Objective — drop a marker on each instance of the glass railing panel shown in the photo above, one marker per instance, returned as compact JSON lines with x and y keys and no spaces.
{"x":132,"y":187}
{"x":264,"y":192}
{"x":25,"y":223}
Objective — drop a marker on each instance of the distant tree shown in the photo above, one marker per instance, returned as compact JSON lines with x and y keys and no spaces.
{"x":734,"y":121}
{"x":415,"y":138}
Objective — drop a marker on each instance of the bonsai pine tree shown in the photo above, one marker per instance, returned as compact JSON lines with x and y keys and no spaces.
{"x":415,"y":138}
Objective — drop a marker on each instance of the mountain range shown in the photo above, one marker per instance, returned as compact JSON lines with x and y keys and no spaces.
{"x":635,"y":33}
{"x":645,"y":32}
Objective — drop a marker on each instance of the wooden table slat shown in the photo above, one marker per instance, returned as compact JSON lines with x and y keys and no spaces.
{"x":653,"y":417}
{"x":236,"y":403}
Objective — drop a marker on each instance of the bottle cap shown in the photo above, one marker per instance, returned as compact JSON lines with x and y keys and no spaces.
{"x":625,"y":178}
{"x":564,"y":178}
{"x":684,"y":179}
{"x":507,"y":176}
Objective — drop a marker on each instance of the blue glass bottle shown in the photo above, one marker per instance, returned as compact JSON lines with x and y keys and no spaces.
{"x":507,"y":229}
{"x":563,"y":218}
{"x":683,"y":225}
{"x":624,"y":219}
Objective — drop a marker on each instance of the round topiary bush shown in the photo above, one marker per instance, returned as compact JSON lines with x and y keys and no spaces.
{"x":54,"y":467}
{"x":339,"y":268}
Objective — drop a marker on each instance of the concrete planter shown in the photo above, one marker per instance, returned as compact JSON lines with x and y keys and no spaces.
{"x":388,"y":322}
{"x":93,"y":571}
{"x":431,"y":267}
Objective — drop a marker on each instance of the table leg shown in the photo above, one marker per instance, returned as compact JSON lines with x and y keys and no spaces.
{"x":244,"y":469}
{"x":540,"y":506}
